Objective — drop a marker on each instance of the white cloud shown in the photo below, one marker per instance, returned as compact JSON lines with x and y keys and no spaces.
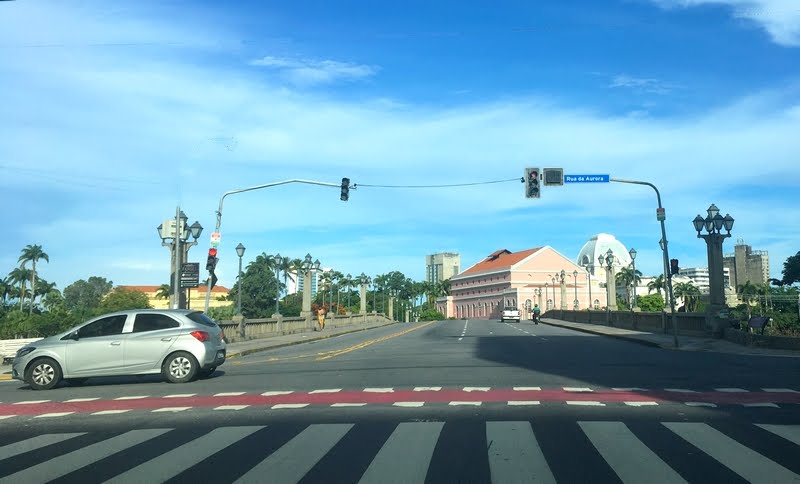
{"x":307,"y":72}
{"x":780,"y":18}
{"x":640,"y":84}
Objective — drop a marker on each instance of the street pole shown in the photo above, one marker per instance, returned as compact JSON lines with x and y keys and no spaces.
{"x":575,"y":280}
{"x":661,"y":216}
{"x":589,"y":282}
{"x":248,"y":189}
{"x":563,"y":276}
{"x":177,"y":276}
{"x":239,"y":296}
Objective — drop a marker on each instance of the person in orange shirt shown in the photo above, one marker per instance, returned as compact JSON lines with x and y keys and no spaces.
{"x":321,"y":318}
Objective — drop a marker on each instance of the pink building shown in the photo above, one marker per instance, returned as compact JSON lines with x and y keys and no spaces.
{"x":518,"y":279}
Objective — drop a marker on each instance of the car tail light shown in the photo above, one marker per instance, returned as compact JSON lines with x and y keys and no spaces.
{"x":201,"y":336}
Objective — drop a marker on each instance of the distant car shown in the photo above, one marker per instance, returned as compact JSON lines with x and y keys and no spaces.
{"x":179,"y":344}
{"x":510,"y":313}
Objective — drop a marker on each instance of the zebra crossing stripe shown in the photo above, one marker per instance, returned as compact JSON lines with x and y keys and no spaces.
{"x":293,"y":461}
{"x":746,"y":462}
{"x":788,"y":432}
{"x":72,"y":461}
{"x":515,"y":455}
{"x":172,"y":463}
{"x":411,"y":442}
{"x":630,"y":459}
{"x":34,"y":443}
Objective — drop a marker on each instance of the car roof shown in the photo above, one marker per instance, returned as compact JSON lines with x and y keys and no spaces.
{"x":158,"y":311}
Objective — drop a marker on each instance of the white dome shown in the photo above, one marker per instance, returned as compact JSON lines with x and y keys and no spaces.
{"x":600,"y":244}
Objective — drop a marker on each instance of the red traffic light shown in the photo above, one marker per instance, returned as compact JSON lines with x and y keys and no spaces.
{"x":212,"y":252}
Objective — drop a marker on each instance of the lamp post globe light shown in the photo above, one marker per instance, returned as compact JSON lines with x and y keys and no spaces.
{"x":175,"y":233}
{"x":240,"y":252}
{"x":632,"y":253}
{"x":611,"y":289}
{"x":713,"y":224}
{"x":576,"y":304}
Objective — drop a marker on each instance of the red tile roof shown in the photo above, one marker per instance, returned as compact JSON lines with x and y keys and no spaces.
{"x":215,"y":289}
{"x":499,"y":259}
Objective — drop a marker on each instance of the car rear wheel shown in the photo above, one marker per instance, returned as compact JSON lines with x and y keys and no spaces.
{"x":43,"y":374}
{"x":180,"y":367}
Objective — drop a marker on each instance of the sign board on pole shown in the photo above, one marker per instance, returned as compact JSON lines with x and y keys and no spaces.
{"x":660,"y":214}
{"x":215,"y":239}
{"x":587,"y":178}
{"x":190,"y":274}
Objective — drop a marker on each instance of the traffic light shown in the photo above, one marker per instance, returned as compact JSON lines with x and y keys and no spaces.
{"x":211,"y":263}
{"x":532,"y":188}
{"x":345,"y":189}
{"x":673,"y":266}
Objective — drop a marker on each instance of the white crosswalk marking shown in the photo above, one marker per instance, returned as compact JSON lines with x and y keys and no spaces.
{"x":406,"y":455}
{"x":515,"y":455}
{"x":746,"y":462}
{"x":172,"y":463}
{"x":292,"y":461}
{"x":627,"y":455}
{"x":34,"y":443}
{"x":788,"y":432}
{"x":72,"y":461}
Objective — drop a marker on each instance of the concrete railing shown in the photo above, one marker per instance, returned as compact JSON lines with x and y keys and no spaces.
{"x":265,"y":328}
{"x":9,"y":347}
{"x":689,"y":324}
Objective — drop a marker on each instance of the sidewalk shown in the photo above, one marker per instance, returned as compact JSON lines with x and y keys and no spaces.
{"x":660,"y":340}
{"x":243,"y":348}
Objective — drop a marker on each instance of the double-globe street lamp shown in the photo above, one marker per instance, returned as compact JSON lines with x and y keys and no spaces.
{"x":174,"y":233}
{"x":713,"y":224}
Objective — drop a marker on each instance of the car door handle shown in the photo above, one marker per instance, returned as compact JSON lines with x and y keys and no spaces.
{"x":116,"y":343}
{"x":166,"y":339}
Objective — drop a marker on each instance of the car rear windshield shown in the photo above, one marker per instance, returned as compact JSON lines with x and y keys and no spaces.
{"x":510,"y":309}
{"x":199,"y":317}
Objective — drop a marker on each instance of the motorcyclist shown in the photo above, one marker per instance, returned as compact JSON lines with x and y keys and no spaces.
{"x":536,"y":312}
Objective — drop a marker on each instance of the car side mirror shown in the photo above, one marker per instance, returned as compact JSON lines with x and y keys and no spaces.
{"x":73,"y":336}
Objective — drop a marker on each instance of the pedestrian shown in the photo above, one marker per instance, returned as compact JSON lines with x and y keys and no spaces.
{"x":321,"y":317}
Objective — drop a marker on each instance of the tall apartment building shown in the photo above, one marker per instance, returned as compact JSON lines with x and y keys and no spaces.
{"x":746,"y":264}
{"x":439,"y":267}
{"x":297,"y":285}
{"x":700,"y":279}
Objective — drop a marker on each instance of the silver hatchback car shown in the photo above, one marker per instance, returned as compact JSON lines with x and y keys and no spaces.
{"x":180,"y":344}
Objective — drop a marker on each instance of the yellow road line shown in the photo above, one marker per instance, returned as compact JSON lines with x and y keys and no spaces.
{"x":371,"y":342}
{"x":5,"y":377}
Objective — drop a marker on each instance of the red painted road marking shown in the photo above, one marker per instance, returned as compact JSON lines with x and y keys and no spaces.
{"x":442,"y":396}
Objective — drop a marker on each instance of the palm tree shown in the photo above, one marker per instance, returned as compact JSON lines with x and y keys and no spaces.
{"x":656,"y":284}
{"x":746,"y":292}
{"x":348,"y":282}
{"x":32,"y":254}
{"x":627,"y":278}
{"x":20,"y":275}
{"x":688,"y":292}
{"x":163,"y":292}
{"x":5,"y":288}
{"x":287,"y":266}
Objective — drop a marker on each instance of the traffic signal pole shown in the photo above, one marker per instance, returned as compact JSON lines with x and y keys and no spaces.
{"x":665,"y":251}
{"x":249,"y":189}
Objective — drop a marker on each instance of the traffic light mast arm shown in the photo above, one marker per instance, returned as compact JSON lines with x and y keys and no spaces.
{"x":249,"y":189}
{"x":667,"y":270}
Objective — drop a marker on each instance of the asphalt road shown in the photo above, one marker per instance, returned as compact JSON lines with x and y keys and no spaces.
{"x":451,"y":401}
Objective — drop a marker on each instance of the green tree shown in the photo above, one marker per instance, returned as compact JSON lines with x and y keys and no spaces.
{"x":627,"y":278}
{"x":656,"y":284}
{"x":259,"y":289}
{"x":121,"y":299}
{"x":747,"y":292}
{"x":84,"y":296}
{"x":651,"y":302}
{"x":20,"y":275}
{"x":688,"y":292}
{"x":222,"y":313}
{"x":163,"y":291}
{"x":33,"y":253}
{"x":791,"y":270}
{"x":6,"y":289}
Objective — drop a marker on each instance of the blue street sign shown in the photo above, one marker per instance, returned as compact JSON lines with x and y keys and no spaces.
{"x":586,"y":178}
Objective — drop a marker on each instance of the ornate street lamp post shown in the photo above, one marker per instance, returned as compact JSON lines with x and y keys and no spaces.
{"x":176,"y":236}
{"x":611,"y":286}
{"x":576,"y":304}
{"x":588,"y":268}
{"x":240,"y":252}
{"x":562,"y":279}
{"x":713,"y":225}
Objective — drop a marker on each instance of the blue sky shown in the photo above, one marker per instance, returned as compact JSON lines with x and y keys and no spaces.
{"x":114,"y":113}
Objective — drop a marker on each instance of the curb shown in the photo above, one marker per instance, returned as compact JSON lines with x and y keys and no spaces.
{"x":616,"y":336}
{"x":294,"y":343}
